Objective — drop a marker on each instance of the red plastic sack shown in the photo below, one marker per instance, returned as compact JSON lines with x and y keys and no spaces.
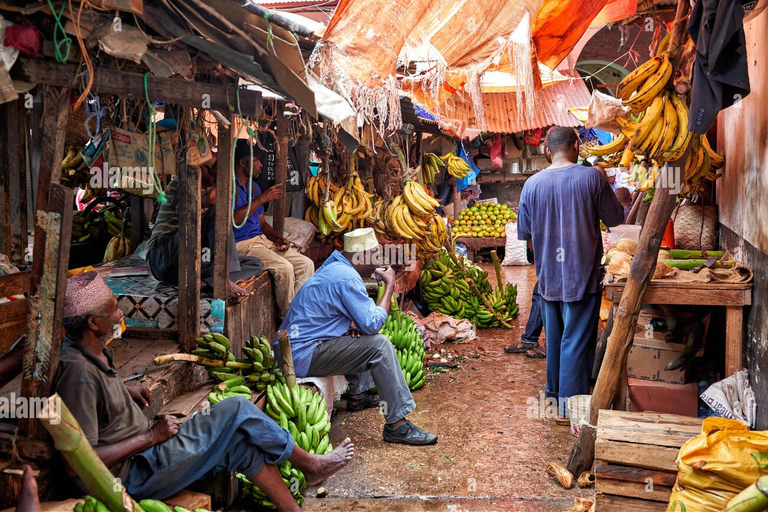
{"x":534,"y":137}
{"x":496,"y":159}
{"x":26,"y":39}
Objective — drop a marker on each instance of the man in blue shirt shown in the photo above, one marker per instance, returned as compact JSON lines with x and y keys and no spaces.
{"x":324,"y":341}
{"x":256,"y":238}
{"x":560,"y":212}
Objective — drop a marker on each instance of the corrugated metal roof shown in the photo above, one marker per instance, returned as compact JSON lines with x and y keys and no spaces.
{"x":552,"y":104}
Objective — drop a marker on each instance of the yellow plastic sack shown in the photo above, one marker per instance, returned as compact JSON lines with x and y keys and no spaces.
{"x":716,"y":465}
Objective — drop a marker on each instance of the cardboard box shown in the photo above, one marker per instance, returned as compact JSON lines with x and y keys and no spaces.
{"x":645,"y":395}
{"x":648,"y":358}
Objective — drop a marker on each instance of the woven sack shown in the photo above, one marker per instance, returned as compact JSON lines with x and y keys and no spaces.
{"x":695,"y":227}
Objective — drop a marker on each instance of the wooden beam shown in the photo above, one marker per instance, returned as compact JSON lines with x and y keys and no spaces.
{"x":188,"y":318}
{"x":14,"y":168}
{"x":23,"y":153}
{"x":281,"y":170}
{"x":137,"y":221}
{"x":734,"y":339}
{"x":223,"y":211}
{"x":12,"y":284}
{"x":275,"y":17}
{"x":123,"y":83}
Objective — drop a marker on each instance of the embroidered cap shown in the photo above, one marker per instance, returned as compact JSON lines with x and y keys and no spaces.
{"x":359,"y":240}
{"x":86,"y":292}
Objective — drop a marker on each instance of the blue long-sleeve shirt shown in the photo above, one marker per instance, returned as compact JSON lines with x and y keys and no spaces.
{"x":324,"y":308}
{"x":560,"y":212}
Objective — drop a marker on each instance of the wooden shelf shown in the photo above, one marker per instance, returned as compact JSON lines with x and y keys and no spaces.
{"x":502,"y":177}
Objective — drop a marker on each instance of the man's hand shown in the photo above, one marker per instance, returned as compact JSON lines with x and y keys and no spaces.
{"x":140,"y":394}
{"x":387,"y":275}
{"x":164,"y":428}
{"x":272,"y":193}
{"x":282,"y":244}
{"x":353,"y":332}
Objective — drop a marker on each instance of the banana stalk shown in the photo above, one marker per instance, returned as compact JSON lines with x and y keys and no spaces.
{"x":752,"y":499}
{"x":690,"y":264}
{"x":680,"y":254}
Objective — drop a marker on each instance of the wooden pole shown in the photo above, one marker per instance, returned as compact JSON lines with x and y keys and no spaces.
{"x":620,"y":341}
{"x":281,"y":170}
{"x":287,"y":358}
{"x":48,"y":280}
{"x":275,"y":17}
{"x":456,"y":200}
{"x":188,"y":321}
{"x":223,"y":210}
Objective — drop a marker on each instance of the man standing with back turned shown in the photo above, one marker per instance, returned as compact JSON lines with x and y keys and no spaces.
{"x":560,"y":212}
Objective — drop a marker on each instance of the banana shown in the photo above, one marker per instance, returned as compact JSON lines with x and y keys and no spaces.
{"x":669,"y":131}
{"x":650,"y":117}
{"x":615,"y":145}
{"x":637,"y":77}
{"x":626,"y":157}
{"x":651,"y":88}
{"x":716,"y":161}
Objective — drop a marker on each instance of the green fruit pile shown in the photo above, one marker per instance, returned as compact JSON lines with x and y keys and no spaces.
{"x":229,"y":388}
{"x":409,"y":345}
{"x":91,"y":504}
{"x":454,"y":286}
{"x":484,"y":220}
{"x":259,"y":368}
{"x":301,"y":412}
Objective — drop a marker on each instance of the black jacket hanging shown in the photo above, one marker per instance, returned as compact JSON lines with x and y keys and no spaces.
{"x":720,"y":75}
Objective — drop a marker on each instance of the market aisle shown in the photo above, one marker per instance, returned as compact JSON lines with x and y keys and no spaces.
{"x":491,"y":455}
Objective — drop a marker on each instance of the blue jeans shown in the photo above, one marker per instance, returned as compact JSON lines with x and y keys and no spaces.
{"x":571,"y":338}
{"x":235,"y":436}
{"x":535,"y":323}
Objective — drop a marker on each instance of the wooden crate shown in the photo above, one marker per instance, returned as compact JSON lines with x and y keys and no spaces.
{"x":635,"y":456}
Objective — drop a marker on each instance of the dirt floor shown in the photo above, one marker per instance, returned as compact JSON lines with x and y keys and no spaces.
{"x":492,"y":452}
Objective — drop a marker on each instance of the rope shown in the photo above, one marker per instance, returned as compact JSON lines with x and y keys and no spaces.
{"x":152,"y":134}
{"x":270,"y":37}
{"x":59,"y":31}
{"x":251,"y":133}
{"x":84,"y":51}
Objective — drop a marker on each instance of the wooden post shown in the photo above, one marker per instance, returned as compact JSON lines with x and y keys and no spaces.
{"x":48,"y":280}
{"x":456,"y":200}
{"x":223,"y":211}
{"x":137,"y":221}
{"x":287,"y":358}
{"x":734,"y":339}
{"x":281,"y":170}
{"x":23,"y":239}
{"x":188,"y":320}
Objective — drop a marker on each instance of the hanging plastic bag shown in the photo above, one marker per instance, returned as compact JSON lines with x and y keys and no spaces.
{"x":496,"y":159}
{"x":718,"y":464}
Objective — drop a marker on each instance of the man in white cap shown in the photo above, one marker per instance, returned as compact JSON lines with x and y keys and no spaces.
{"x":324,"y":340}
{"x":158,"y":459}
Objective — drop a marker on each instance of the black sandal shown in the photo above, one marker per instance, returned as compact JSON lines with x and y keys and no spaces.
{"x":367,"y":401}
{"x":408,"y":433}
{"x":519,"y":348}
{"x":536,"y":353}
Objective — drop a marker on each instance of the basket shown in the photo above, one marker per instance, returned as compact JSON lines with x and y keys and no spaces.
{"x":695,"y":227}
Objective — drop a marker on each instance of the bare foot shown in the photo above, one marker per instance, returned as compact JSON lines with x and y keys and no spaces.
{"x":235,"y":290}
{"x":28,"y":499}
{"x":328,"y":464}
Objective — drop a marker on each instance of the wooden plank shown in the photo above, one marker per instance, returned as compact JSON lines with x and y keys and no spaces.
{"x":189,"y":255}
{"x":610,"y":503}
{"x":13,"y":312}
{"x":734,"y":339}
{"x":28,"y":448}
{"x":6,"y":229}
{"x":640,"y":455}
{"x":671,"y":424}
{"x":189,"y":500}
{"x":223,"y":211}
{"x":12,"y":169}
{"x":584,"y":452}
{"x":281,"y":170}
{"x":122,"y":83}
{"x":640,"y":490}
{"x":184,"y":405}
{"x":603,"y":470}
{"x":14,"y":284}
{"x":703,"y":294}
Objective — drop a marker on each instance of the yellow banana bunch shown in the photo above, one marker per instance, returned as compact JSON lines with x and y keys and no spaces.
{"x":315,"y":189}
{"x":119,"y":246}
{"x":327,"y":218}
{"x":418,"y":201}
{"x":641,"y":87}
{"x":430,"y":167}
{"x":432,"y":244}
{"x":457,"y":166}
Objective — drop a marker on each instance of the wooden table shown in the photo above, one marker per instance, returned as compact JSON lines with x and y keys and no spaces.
{"x":732,"y":296}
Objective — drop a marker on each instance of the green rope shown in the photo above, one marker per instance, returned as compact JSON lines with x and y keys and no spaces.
{"x":251,"y":133}
{"x":152,"y":134}
{"x":59,"y":31}
{"x":270,"y":37}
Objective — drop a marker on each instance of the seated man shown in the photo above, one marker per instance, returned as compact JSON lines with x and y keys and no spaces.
{"x":255,"y":237}
{"x":157,"y":460}
{"x":318,"y":324}
{"x":163,"y":253}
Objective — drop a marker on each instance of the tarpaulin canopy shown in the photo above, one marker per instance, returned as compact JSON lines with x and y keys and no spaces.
{"x":366,"y":41}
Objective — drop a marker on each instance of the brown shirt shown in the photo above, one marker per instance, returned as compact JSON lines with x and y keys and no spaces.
{"x":98,"y":399}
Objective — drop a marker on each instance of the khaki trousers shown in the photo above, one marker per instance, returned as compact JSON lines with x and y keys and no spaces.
{"x":290,"y":269}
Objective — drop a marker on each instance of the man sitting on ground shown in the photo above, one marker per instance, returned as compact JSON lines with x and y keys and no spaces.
{"x":163,"y":253}
{"x":322,"y":343}
{"x":159,"y":459}
{"x":255,"y":237}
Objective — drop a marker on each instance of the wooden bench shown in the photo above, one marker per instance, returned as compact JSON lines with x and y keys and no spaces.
{"x":13,"y":314}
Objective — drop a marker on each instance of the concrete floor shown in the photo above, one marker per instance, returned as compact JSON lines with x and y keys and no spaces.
{"x":491,"y":454}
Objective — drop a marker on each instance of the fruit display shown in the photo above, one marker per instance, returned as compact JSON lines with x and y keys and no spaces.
{"x":484,"y":220}
{"x":88,"y":224}
{"x":229,"y":388}
{"x":347,"y":207}
{"x":659,"y":133}
{"x":76,"y":173}
{"x":402,"y":331}
{"x":454,"y":286}
{"x":455,"y":165}
{"x":302,"y":412}
{"x":258,"y":369}
{"x":430,"y":167}
{"x":119,"y":246}
{"x":91,"y":504}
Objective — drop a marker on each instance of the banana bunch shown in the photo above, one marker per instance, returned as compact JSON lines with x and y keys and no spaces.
{"x":263,"y":365}
{"x":115,"y":224}
{"x":257,"y":370}
{"x":74,"y":170}
{"x":352,"y":203}
{"x":408,"y":215}
{"x":430,"y":167}
{"x":456,"y":166}
{"x":315,"y":189}
{"x":431,"y":245}
{"x":91,"y":504}
{"x":660,"y":132}
{"x":327,"y":218}
{"x":456,"y":287}
{"x":292,"y":478}
{"x":86,"y":226}
{"x":229,"y":388}
{"x":118,"y":247}
{"x":409,"y":346}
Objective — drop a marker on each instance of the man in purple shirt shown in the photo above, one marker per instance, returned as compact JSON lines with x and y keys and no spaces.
{"x":560,"y":212}
{"x":256,"y":238}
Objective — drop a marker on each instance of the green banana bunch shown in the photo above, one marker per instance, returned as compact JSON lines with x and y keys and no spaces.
{"x":91,"y":504}
{"x":229,"y":388}
{"x":292,"y":477}
{"x":409,"y":346}
{"x":430,"y":167}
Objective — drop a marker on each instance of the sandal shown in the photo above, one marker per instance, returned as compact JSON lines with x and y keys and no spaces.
{"x":519,"y":348}
{"x":408,"y":433}
{"x":536,"y":353}
{"x":367,"y":401}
